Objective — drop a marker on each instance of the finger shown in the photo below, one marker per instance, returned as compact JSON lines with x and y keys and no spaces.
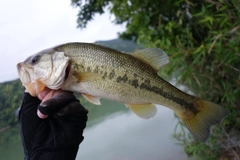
{"x":72,"y":109}
{"x":40,"y":115}
{"x":56,"y":102}
{"x":43,"y":93}
{"x":51,"y":94}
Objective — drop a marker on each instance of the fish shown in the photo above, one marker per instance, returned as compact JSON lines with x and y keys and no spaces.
{"x":96,"y":71}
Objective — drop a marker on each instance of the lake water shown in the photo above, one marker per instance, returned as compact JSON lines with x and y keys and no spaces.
{"x":120,"y":135}
{"x":124,"y":136}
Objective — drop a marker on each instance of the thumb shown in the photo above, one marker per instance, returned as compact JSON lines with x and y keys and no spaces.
{"x":52,"y":103}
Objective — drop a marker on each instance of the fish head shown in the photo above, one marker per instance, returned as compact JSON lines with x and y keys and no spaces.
{"x":48,"y":68}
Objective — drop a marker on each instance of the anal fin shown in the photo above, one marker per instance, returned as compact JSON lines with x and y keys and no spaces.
{"x":145,"y":111}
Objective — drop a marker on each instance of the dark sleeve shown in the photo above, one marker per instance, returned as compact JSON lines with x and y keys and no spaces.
{"x":53,"y":138}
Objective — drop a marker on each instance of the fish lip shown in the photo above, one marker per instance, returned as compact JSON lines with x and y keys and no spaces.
{"x":22,"y":72}
{"x":20,"y":68}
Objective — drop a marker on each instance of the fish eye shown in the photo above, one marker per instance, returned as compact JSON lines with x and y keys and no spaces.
{"x":34,"y":59}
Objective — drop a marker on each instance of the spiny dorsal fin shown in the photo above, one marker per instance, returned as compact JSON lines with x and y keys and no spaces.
{"x":155,"y":57}
{"x":92,"y":99}
{"x":145,"y":111}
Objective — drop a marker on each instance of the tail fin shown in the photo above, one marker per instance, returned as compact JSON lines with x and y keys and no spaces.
{"x":201,"y":123}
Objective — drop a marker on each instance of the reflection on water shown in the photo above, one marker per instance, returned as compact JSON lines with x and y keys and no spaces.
{"x":10,"y":144}
{"x":124,"y":136}
{"x":119,"y":135}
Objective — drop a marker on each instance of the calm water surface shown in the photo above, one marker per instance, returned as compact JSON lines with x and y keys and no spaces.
{"x":119,"y":135}
{"x":124,"y":136}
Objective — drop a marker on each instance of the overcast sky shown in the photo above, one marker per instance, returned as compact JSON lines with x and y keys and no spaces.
{"x":28,"y":26}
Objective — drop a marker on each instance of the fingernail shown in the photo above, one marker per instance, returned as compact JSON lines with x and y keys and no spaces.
{"x":40,"y":115}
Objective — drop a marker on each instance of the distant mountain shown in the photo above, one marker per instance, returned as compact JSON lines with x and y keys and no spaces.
{"x":11,"y":92}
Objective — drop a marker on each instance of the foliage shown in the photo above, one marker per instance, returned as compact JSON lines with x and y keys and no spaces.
{"x":10,"y":100}
{"x":202,"y":39}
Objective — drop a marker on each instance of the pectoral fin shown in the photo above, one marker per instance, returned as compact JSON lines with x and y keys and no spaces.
{"x":92,"y":99}
{"x":145,"y":111}
{"x":85,"y":76}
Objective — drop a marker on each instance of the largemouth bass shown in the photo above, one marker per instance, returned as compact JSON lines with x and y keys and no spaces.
{"x":98,"y":72}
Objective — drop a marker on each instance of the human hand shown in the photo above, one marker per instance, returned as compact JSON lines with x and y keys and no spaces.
{"x":44,"y":95}
{"x":59,"y":133}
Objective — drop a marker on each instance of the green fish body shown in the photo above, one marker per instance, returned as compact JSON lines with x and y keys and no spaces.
{"x":97,"y":72}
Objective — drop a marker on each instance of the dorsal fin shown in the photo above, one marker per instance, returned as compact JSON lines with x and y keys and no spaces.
{"x":155,"y":57}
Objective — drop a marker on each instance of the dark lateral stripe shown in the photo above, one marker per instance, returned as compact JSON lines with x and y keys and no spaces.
{"x":147,"y":86}
{"x":167,"y":95}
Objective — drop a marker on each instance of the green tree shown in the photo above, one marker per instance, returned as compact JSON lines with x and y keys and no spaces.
{"x":10,"y":100}
{"x":202,"y":39}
